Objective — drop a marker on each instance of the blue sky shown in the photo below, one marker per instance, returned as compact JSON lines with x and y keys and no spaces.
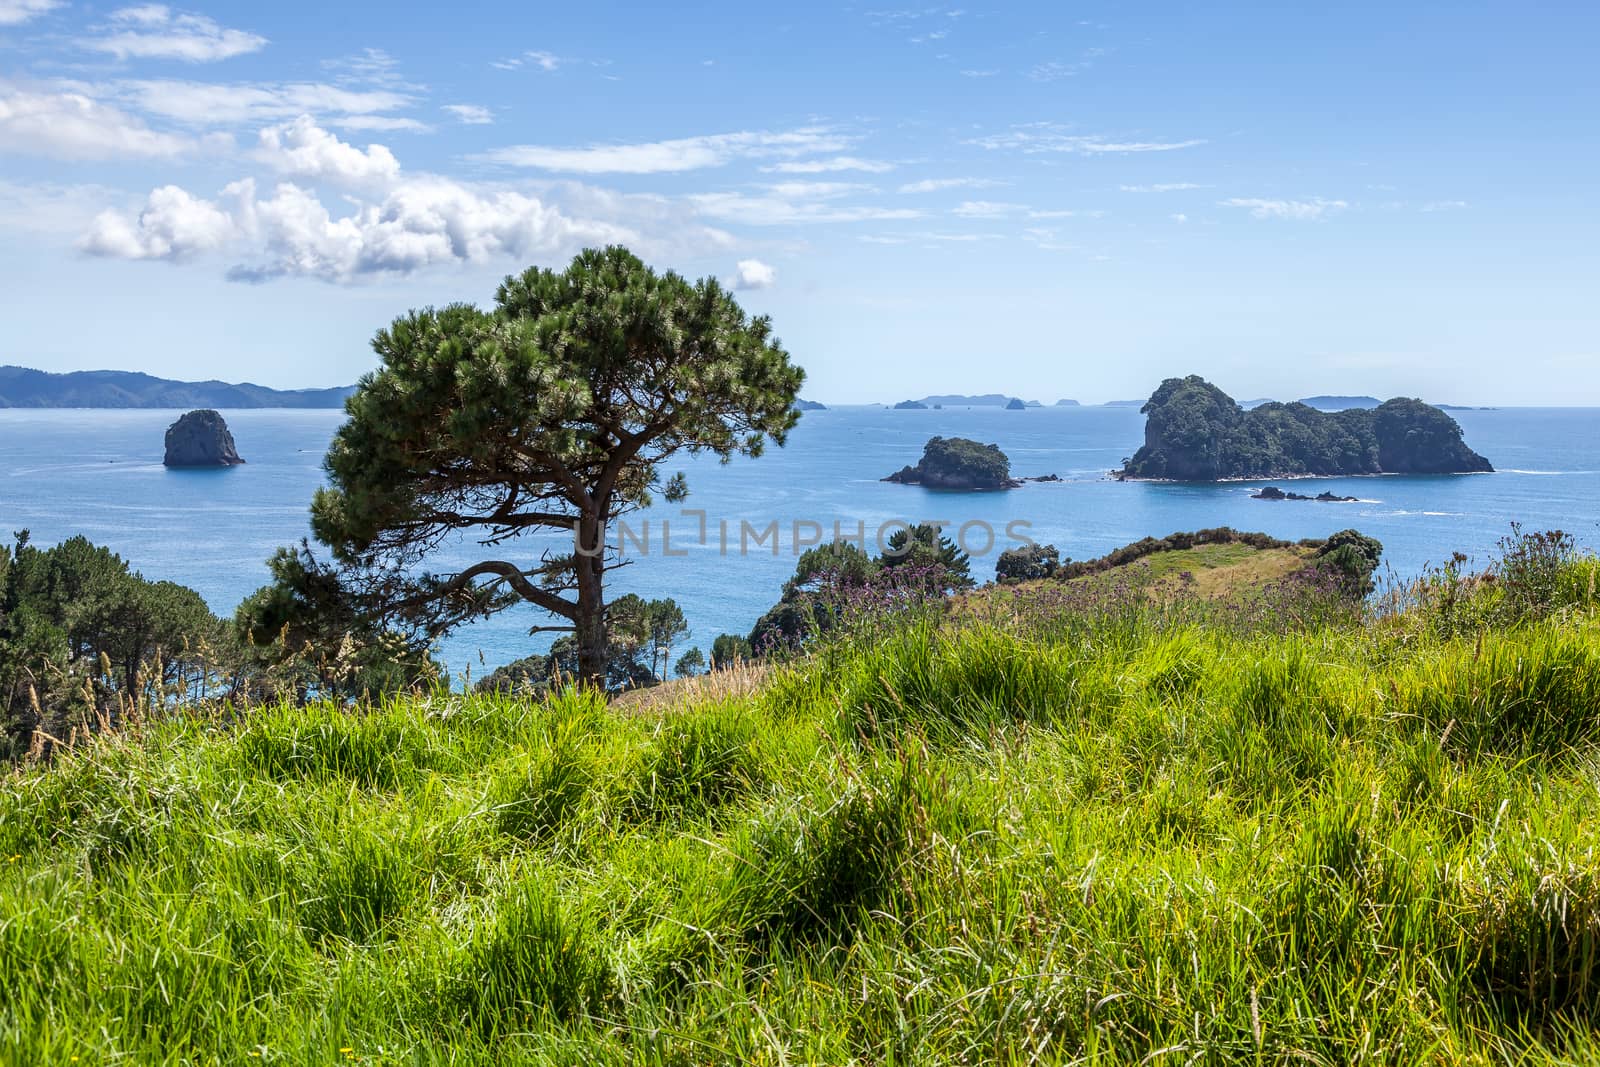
{"x":1045,"y":199}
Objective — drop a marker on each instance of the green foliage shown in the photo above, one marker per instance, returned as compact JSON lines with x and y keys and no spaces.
{"x":86,"y":642}
{"x":555,"y":410}
{"x":640,"y":637}
{"x":1027,"y":563}
{"x":729,"y":649}
{"x":1196,"y":432}
{"x":958,"y":463}
{"x":689,"y":664}
{"x":924,"y":546}
{"x":308,"y":633}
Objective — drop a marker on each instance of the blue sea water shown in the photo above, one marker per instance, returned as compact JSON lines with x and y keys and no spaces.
{"x":99,"y":473}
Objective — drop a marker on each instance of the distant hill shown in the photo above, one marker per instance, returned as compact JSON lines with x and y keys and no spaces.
{"x":1066,"y":403}
{"x":956,"y":400}
{"x":809,"y":405}
{"x":1123,"y":404}
{"x":1340,"y":403}
{"x":21,"y":387}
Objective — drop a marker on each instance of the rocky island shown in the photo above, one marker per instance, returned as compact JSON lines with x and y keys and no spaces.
{"x":958,"y":463}
{"x":201,"y":439}
{"x":1194,"y":432}
{"x":1272,"y":492}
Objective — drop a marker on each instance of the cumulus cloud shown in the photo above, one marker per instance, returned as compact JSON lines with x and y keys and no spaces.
{"x":422,"y":222}
{"x":175,"y":225}
{"x":16,"y":12}
{"x":1286,"y":209}
{"x":676,"y":155}
{"x":1042,"y":137}
{"x":471,"y":114}
{"x":394,"y":222}
{"x":753,"y":274}
{"x":154,"y":31}
{"x":74,"y":126}
{"x":302,"y":149}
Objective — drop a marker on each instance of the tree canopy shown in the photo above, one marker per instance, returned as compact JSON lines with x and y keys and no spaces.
{"x":553,"y":411}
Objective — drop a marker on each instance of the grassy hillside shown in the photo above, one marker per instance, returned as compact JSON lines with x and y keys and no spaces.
{"x":1108,"y":829}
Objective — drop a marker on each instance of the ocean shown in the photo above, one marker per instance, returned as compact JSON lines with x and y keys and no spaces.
{"x":99,"y":473}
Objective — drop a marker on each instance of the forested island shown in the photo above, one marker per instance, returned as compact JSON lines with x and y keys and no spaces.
{"x":958,"y":463}
{"x":22,"y":387}
{"x":1196,"y":432}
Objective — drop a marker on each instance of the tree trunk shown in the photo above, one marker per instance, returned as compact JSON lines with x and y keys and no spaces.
{"x":590,"y":623}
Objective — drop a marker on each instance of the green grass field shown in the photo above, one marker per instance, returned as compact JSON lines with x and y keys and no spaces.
{"x":1136,"y":833}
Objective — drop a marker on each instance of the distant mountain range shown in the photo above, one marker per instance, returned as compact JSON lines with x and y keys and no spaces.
{"x":21,"y":387}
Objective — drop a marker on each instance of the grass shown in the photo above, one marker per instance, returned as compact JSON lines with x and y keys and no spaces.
{"x":1126,"y":837}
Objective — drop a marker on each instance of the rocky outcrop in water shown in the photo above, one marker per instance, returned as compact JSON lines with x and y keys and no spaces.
{"x":1272,"y":492}
{"x":201,"y":439}
{"x":1196,"y":432}
{"x":958,"y":463}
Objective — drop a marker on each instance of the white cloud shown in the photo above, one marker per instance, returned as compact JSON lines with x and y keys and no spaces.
{"x":753,"y":274}
{"x":73,"y":126}
{"x":422,"y":222}
{"x":1286,"y":209}
{"x":16,"y":12}
{"x":154,"y":31}
{"x":1163,"y":187}
{"x":986,"y":209}
{"x":794,"y":202}
{"x":934,"y":185}
{"x":545,"y":61}
{"x":1179,"y":218}
{"x":174,"y":225}
{"x":828,"y":166}
{"x":301,"y":149}
{"x":383,"y":123}
{"x":395,"y":222}
{"x":1444,"y":205}
{"x":208,"y":104}
{"x":1040,"y":137}
{"x":979,"y":73}
{"x":673,"y":156}
{"x":471,"y":114}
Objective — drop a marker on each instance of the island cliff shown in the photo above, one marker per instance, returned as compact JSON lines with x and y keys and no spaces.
{"x":957,"y":463}
{"x":1196,"y":432}
{"x":200,"y":439}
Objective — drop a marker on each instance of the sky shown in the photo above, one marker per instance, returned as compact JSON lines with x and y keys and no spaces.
{"x":1051,"y":200}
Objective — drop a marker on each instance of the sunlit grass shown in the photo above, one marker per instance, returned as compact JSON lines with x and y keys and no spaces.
{"x":1136,"y":837}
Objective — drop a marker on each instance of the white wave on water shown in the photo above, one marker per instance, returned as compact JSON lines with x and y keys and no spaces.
{"x":1515,"y":470}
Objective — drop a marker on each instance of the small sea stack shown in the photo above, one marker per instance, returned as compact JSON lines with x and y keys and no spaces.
{"x":201,"y":439}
